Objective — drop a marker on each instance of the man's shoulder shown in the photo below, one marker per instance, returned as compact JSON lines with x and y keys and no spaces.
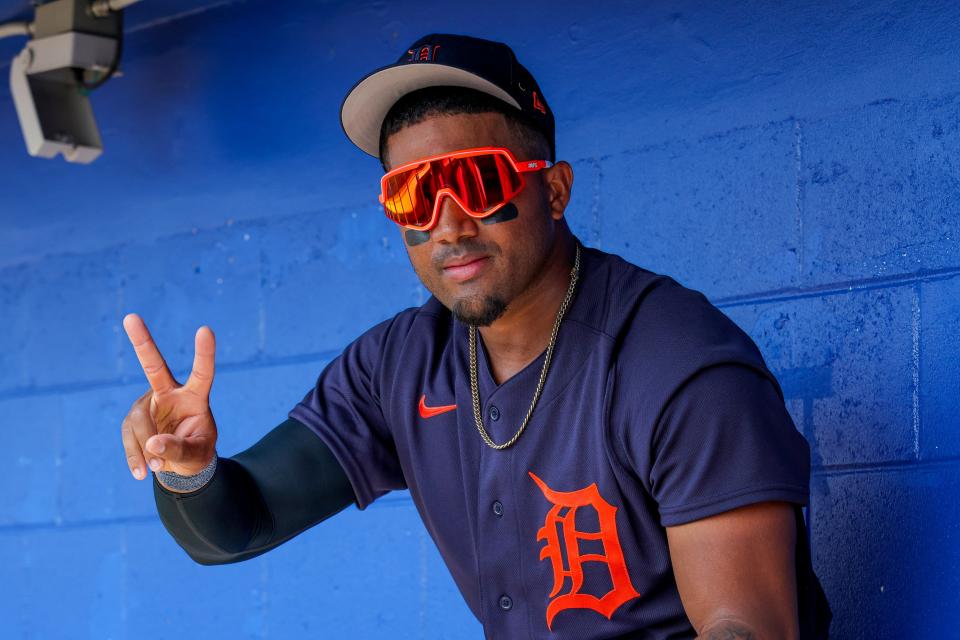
{"x":629,"y":297}
{"x":664,"y":331}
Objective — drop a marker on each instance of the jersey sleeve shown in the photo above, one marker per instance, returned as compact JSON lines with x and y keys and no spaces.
{"x":344,"y":410}
{"x":723,"y":440}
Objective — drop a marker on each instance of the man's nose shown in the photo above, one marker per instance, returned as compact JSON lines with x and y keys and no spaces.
{"x":453,"y":223}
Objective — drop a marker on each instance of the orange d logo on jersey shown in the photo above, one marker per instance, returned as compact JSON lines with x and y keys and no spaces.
{"x":563,"y":513}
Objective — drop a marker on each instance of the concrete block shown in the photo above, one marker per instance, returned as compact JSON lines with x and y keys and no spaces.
{"x":16,"y":587}
{"x":848,"y":358}
{"x":329,"y":276}
{"x":361,"y":574}
{"x":181,"y":282}
{"x":879,"y":183}
{"x":250,"y":402}
{"x":939,"y":377}
{"x":59,"y":321}
{"x":97,"y":483}
{"x":583,"y":210}
{"x":64,"y":583}
{"x":170,"y":595}
{"x":445,"y":611}
{"x":884,"y":546}
{"x":30,"y":451}
{"x":718,"y":213}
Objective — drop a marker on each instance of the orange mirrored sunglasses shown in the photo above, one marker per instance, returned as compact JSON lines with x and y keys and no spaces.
{"x":480,"y":180}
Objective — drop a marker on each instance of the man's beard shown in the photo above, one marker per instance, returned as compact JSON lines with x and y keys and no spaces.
{"x":480,"y":311}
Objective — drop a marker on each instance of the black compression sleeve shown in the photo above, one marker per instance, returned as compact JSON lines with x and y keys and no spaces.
{"x":257,"y":499}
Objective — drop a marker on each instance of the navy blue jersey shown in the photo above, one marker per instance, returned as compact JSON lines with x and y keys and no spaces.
{"x":657,"y":410}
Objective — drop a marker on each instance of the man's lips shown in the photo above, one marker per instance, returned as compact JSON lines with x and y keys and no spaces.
{"x":461,"y":269}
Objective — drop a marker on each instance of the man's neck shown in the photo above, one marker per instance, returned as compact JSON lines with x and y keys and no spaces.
{"x":522,"y":333}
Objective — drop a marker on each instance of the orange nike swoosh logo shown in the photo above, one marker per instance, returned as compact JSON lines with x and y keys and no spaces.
{"x":429,"y":412}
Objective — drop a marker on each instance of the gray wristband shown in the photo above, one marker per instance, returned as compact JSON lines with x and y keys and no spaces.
{"x":177,"y":482}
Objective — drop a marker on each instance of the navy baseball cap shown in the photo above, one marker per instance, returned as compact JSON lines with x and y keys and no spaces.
{"x":443,"y":59}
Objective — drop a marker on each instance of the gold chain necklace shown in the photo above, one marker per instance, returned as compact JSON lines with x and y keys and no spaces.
{"x":474,"y":387}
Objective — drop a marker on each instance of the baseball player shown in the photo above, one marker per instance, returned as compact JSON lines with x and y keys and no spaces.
{"x":596,"y":450}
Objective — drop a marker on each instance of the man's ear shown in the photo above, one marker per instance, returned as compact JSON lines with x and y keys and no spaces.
{"x":559,"y":182}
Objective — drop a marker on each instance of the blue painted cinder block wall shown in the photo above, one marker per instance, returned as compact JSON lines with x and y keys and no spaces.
{"x":795,"y":161}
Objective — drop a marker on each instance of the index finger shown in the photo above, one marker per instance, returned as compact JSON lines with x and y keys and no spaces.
{"x":154,"y":366}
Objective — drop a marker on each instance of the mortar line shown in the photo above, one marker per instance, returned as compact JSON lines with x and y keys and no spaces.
{"x":915,"y":367}
{"x":893,"y":465}
{"x":799,"y":194}
{"x":174,"y":17}
{"x":423,"y":595}
{"x":264,"y":598}
{"x":595,"y":204}
{"x":252,"y":222}
{"x":53,"y":525}
{"x":786,"y":294}
{"x":392,"y":500}
{"x":261,"y":297}
{"x":251,"y":364}
{"x":125,"y":579}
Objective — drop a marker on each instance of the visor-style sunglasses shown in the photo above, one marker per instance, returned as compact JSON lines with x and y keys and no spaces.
{"x":480,"y":180}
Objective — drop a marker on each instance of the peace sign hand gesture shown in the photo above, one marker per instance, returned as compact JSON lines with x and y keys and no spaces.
{"x":171,"y":424}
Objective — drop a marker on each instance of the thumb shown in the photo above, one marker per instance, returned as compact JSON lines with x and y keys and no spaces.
{"x":185,"y":456}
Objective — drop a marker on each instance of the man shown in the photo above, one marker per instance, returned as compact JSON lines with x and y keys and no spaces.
{"x":597,"y":451}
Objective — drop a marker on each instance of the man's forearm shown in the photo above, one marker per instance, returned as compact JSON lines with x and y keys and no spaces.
{"x":258,"y":499}
{"x":220,"y":521}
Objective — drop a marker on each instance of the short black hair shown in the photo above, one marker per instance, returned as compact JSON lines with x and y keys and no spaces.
{"x":417,"y":105}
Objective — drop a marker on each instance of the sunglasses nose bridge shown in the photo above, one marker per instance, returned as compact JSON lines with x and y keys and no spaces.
{"x":442,"y":219}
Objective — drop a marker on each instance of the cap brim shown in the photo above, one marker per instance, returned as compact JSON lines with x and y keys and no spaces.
{"x":367,"y":103}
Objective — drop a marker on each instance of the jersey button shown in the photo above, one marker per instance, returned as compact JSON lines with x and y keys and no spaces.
{"x":498,"y":508}
{"x":494,"y":413}
{"x":506,"y":603}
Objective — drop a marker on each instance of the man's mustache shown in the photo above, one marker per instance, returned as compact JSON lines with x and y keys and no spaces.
{"x":465,"y":247}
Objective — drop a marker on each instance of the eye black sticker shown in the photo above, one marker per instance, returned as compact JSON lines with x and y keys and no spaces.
{"x":414,"y":237}
{"x":506,"y":213}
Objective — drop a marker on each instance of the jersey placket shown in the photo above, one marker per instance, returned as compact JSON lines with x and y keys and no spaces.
{"x":505,"y":600}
